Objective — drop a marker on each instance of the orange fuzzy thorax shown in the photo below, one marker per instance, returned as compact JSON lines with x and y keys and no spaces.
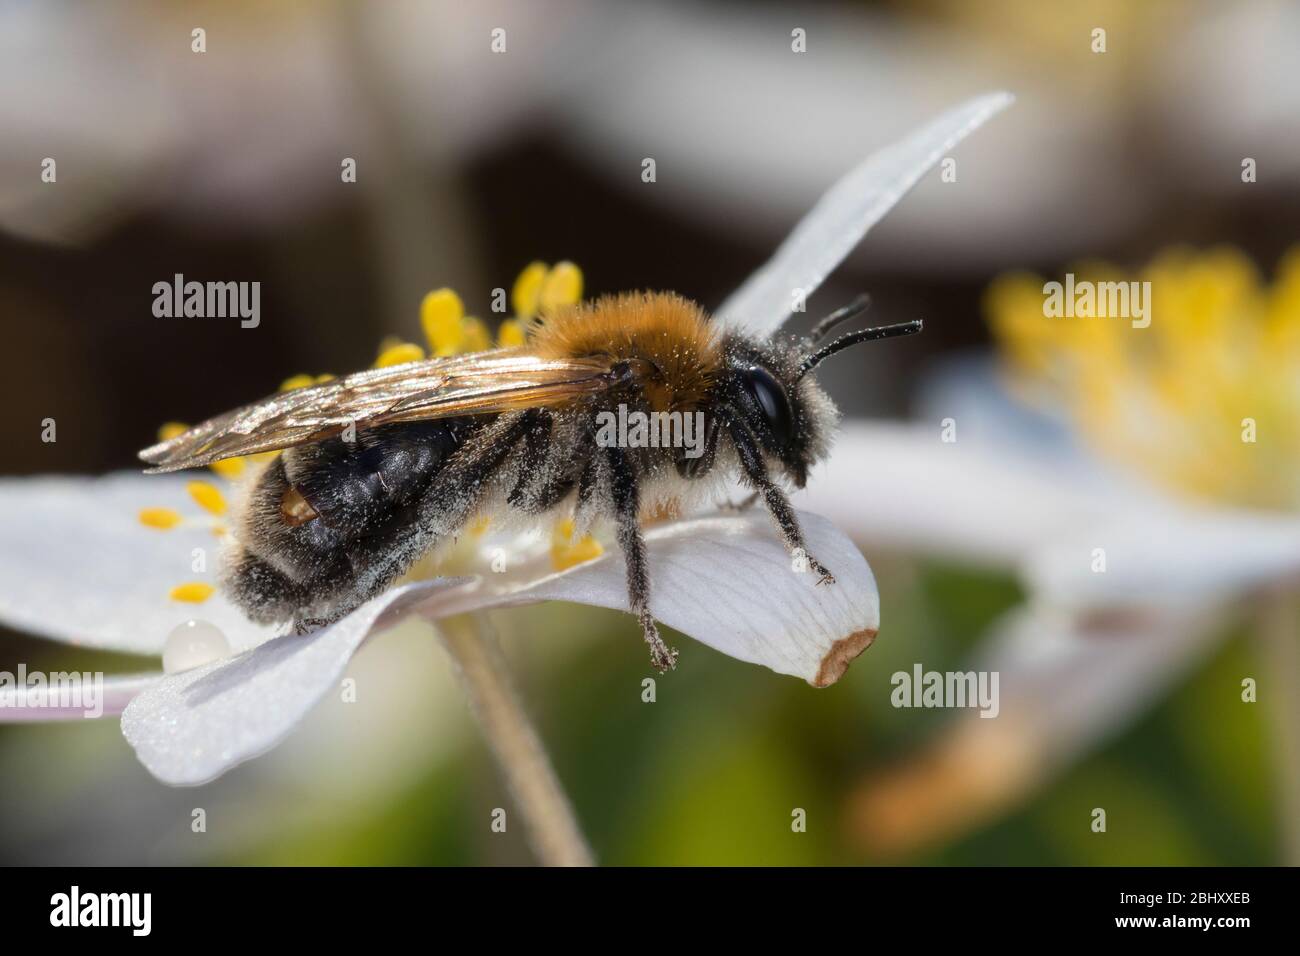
{"x":671,"y":333}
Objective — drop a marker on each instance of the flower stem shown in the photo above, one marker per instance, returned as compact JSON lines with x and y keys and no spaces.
{"x":553,"y":830}
{"x":1281,"y":642}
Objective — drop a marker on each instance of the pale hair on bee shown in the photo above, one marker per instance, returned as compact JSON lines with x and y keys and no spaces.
{"x":381,"y":467}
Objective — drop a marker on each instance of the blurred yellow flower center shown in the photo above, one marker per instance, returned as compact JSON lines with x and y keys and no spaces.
{"x":1205,"y":400}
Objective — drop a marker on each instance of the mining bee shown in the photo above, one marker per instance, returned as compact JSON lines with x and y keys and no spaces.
{"x":381,"y":467}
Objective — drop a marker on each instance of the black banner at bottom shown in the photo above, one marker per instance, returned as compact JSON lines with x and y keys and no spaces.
{"x":329,"y":906}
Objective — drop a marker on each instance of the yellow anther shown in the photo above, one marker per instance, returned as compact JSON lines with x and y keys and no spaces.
{"x":563,"y":286}
{"x":567,"y":553}
{"x":228,"y":467}
{"x":219,"y":531}
{"x":1199,"y":361}
{"x":475,"y":336}
{"x":296,"y":381}
{"x":326,"y":377}
{"x":479,"y":527}
{"x":170,"y":430}
{"x":398,"y":354}
{"x":510,"y":334}
{"x":207,"y":497}
{"x":192,"y":592}
{"x":527,"y":291}
{"x":441,"y":313}
{"x":160,"y":518}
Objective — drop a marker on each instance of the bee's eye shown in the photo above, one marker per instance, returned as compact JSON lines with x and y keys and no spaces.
{"x":773,"y":401}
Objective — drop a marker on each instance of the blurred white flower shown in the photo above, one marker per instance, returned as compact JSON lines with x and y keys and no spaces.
{"x":1133,"y":506}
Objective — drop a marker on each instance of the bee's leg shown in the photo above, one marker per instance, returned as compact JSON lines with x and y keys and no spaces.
{"x":536,"y":489}
{"x":626,"y":496}
{"x":751,"y":461}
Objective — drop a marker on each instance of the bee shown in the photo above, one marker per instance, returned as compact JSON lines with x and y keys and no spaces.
{"x":383,"y":466}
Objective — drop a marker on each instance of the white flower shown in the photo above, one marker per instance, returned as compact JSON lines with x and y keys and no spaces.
{"x":1132,"y":559}
{"x":78,"y":567}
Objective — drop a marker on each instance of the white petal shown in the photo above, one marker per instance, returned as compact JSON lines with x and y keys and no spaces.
{"x":1158,"y":550}
{"x":839,"y":220}
{"x":191,"y":727}
{"x":77,"y":565}
{"x":725,"y":581}
{"x":902,"y":487}
{"x":107,"y":700}
{"x":1165,"y":556}
{"x":728,"y":582}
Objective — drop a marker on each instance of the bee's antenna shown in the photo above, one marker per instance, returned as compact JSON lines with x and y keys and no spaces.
{"x":840,"y":315}
{"x":853,"y":338}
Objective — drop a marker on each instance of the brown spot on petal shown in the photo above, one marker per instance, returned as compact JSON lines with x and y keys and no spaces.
{"x":841,"y":654}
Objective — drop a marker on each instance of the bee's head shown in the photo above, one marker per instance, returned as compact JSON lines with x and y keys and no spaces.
{"x":767,"y":388}
{"x":763,"y":391}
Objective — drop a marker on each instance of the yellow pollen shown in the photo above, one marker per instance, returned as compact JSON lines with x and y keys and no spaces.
{"x":228,"y":467}
{"x":475,"y":336}
{"x":207,"y":496}
{"x":170,"y":430}
{"x":563,"y":286}
{"x":479,"y":527}
{"x":161,"y":518}
{"x":296,"y":381}
{"x":192,"y":592}
{"x":526,"y":294}
{"x":1205,"y":399}
{"x":567,"y":553}
{"x":441,"y":315}
{"x":398,"y":354}
{"x":510,"y":334}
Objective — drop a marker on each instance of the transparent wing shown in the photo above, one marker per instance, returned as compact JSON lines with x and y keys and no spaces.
{"x":477,"y":383}
{"x":839,"y":220}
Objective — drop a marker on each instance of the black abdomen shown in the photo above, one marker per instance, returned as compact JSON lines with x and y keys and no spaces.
{"x":324,"y":516}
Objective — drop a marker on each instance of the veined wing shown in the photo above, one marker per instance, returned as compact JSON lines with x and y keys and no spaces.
{"x":472,"y":384}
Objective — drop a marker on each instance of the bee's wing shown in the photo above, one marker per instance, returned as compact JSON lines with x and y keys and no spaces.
{"x":472,"y":384}
{"x":839,"y":220}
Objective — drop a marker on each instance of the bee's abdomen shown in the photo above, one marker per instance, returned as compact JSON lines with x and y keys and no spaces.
{"x":316,"y":504}
{"x":350,"y":485}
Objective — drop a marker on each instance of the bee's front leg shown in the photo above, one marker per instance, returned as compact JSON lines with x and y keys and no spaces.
{"x":751,"y":460}
{"x":626,"y":494}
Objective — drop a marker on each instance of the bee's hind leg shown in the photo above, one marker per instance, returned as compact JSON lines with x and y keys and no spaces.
{"x":626,"y":495}
{"x":751,"y":460}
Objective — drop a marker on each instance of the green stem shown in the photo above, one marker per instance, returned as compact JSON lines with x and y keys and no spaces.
{"x":1280,"y":635}
{"x":552,"y":829}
